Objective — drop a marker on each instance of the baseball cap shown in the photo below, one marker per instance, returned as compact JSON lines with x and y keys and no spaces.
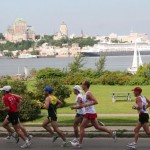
{"x":78,"y":88}
{"x":6,"y":88}
{"x":137,"y":89}
{"x":48,"y":89}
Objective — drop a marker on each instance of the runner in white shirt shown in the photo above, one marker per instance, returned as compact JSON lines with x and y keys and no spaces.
{"x":142,"y":103}
{"x":80,"y":112}
{"x":90,"y":115}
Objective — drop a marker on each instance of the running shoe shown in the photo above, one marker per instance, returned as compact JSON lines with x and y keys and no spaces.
{"x":132,"y":145}
{"x":76,"y":145}
{"x":54,"y":138}
{"x":9,"y":138}
{"x":75,"y":140}
{"x":65,"y":143}
{"x":16,"y":137}
{"x":30,"y":137}
{"x":114,"y":136}
{"x":26,"y":144}
{"x":101,"y":123}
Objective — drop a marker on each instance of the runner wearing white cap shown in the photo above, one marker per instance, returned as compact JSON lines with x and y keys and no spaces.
{"x":12,"y":103}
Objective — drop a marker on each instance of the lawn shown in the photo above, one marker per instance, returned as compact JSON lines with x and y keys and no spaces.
{"x":104,"y":96}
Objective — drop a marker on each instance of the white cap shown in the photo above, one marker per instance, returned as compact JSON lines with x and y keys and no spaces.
{"x":78,"y":88}
{"x":6,"y":88}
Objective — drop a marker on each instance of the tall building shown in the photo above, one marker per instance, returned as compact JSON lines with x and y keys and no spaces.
{"x":62,"y":33}
{"x":19,"y":31}
{"x":63,"y":29}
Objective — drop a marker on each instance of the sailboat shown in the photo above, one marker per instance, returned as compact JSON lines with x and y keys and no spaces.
{"x":18,"y":74}
{"x":137,"y":61}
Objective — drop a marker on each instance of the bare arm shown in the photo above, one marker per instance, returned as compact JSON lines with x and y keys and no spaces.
{"x":47,"y":103}
{"x":59,"y":103}
{"x":80,"y":104}
{"x":139,"y":104}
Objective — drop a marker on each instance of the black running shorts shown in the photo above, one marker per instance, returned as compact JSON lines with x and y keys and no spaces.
{"x":79,"y":116}
{"x":144,"y":118}
{"x":13,"y":118}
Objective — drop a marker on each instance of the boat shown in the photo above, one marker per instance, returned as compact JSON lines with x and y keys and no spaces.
{"x":137,"y":61}
{"x":115,"y":49}
{"x":27,"y":56}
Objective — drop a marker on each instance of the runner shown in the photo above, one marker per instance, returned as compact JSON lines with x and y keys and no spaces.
{"x":12,"y":102}
{"x":90,"y":115}
{"x":80,"y":112}
{"x":51,"y":104}
{"x":142,"y":103}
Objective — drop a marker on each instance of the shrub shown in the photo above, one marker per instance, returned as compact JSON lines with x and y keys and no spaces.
{"x":49,"y":73}
{"x":60,"y":90}
{"x":30,"y":109}
{"x":138,"y":81}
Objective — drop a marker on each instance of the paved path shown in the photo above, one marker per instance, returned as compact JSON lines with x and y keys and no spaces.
{"x":89,"y":144}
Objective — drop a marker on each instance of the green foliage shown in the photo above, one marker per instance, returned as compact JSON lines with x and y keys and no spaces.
{"x":35,"y":52}
{"x":144,"y":71}
{"x":47,"y":73}
{"x":59,"y":89}
{"x":9,"y":54}
{"x":100,"y":64}
{"x":30,"y":109}
{"x":2,"y":36}
{"x":16,"y":46}
{"x":77,"y":64}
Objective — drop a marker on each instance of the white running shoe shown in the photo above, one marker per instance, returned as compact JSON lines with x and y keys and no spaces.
{"x":26,"y":144}
{"x":75,"y":140}
{"x":54,"y":138}
{"x":30,"y":137}
{"x":114,"y":136}
{"x":132,"y":145}
{"x":9,"y":138}
{"x":76,"y":145}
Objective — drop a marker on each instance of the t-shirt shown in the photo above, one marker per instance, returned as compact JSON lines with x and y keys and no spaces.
{"x":82,"y":110}
{"x":11,"y":101}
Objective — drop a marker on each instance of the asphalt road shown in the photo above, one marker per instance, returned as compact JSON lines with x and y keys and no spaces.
{"x":89,"y":144}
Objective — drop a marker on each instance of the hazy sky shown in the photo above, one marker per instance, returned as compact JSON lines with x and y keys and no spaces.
{"x":95,"y":17}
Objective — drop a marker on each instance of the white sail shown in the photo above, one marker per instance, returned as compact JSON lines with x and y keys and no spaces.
{"x":140,"y":59}
{"x":135,"y":60}
{"x":26,"y":71}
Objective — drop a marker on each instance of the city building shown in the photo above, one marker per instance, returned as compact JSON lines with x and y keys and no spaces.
{"x":19,"y":31}
{"x":62,"y":33}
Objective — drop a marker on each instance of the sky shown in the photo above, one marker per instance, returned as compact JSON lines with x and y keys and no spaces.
{"x":94,"y":17}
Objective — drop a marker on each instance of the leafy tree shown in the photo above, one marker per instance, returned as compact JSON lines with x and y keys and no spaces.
{"x":100,"y":64}
{"x":77,"y":64}
{"x":35,"y":52}
{"x":9,"y":54}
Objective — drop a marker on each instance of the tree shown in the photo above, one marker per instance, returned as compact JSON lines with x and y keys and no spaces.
{"x":35,"y":52}
{"x":9,"y":54}
{"x":77,"y":64}
{"x":100,"y":64}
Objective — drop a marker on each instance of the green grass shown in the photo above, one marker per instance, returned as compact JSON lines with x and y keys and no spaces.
{"x":68,"y":121}
{"x":104,"y":96}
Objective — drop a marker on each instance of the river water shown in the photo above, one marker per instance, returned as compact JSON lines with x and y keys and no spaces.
{"x":113,"y":63}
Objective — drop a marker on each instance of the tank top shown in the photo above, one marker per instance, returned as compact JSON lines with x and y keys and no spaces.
{"x":52,"y":110}
{"x":89,"y":109}
{"x":82,"y":110}
{"x":144,"y":103}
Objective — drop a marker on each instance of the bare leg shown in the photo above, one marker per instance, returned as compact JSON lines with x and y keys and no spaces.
{"x":59,"y":132}
{"x":6,"y":126}
{"x":77,"y":121}
{"x":136,"y":131}
{"x":83,"y":125}
{"x":101,"y":128}
{"x":19,"y":131}
{"x":146,"y":128}
{"x":45,"y":126}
